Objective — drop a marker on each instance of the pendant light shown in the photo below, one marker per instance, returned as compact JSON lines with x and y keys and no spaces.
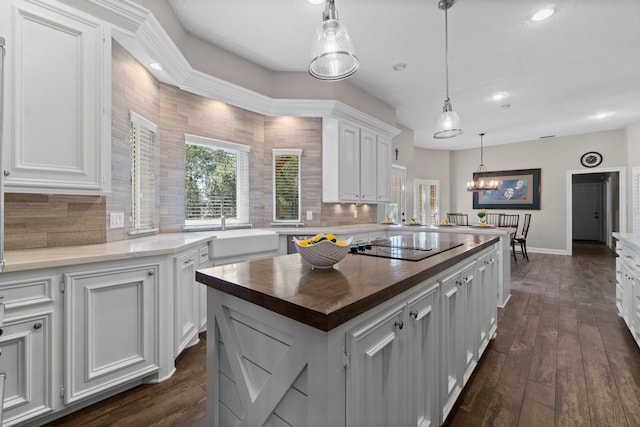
{"x":332,"y":51}
{"x":479,"y":183}
{"x":448,"y":121}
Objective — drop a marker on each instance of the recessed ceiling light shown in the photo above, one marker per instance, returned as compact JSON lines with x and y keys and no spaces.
{"x":156,"y":66}
{"x":603,"y":115}
{"x":400,"y":66}
{"x":543,"y":14}
{"x":316,"y":1}
{"x":498,"y":96}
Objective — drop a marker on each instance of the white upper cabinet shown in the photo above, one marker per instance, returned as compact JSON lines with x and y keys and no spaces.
{"x":356,"y":163}
{"x":57,"y":127}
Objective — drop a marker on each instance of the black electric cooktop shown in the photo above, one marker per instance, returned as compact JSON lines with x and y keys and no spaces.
{"x":411,"y":247}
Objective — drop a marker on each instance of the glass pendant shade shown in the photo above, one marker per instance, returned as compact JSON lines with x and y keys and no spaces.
{"x":332,"y":52}
{"x":448,"y":124}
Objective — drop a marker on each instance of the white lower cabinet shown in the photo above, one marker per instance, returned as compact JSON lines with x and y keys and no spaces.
{"x":110,"y":328}
{"x":186,"y":301}
{"x":26,"y":346}
{"x":377,"y":371}
{"x":628,"y":286}
{"x":487,"y":294}
{"x":423,"y":331}
{"x":392,"y":378}
{"x":452,"y":341}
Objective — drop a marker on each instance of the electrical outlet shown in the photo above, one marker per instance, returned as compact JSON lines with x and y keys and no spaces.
{"x":355,"y":212}
{"x":116,"y":219}
{"x":309,"y":215}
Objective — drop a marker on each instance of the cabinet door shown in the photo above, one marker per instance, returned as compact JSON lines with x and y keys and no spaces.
{"x":384,"y":169}
{"x":451,"y":341}
{"x":186,"y":304}
{"x":634,"y":307}
{"x":58,"y":89}
{"x":424,"y":312}
{"x":375,"y":384}
{"x":26,"y":359}
{"x":627,"y":292}
{"x":486,"y":300}
{"x":470,"y":313}
{"x":110,"y":327}
{"x":349,"y":162}
{"x":368,"y":166}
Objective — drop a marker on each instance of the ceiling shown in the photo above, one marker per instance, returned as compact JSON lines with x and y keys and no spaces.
{"x":557,"y":75}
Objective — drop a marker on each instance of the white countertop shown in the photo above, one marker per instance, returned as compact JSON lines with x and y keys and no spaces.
{"x":31,"y":259}
{"x":631,"y":239}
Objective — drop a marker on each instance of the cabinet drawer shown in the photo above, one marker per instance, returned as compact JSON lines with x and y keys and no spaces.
{"x":20,"y":294}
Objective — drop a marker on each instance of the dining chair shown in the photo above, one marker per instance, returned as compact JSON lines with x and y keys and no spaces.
{"x":458,"y":218}
{"x":511,"y":221}
{"x":522,"y":238}
{"x":493,"y":218}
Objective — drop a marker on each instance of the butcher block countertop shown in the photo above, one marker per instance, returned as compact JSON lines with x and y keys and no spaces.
{"x":325,"y":299}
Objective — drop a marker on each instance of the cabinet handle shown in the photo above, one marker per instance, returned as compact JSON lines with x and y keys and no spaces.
{"x":458,"y":282}
{"x":399,"y":324}
{"x":37,"y":325}
{"x":150,"y":273}
{"x":414,"y":314}
{"x":189,"y":261}
{"x":6,"y":173}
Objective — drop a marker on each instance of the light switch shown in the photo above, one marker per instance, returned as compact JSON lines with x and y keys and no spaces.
{"x":116,"y":219}
{"x":309,"y":215}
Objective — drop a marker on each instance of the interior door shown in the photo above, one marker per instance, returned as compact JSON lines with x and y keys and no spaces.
{"x":587,"y":211}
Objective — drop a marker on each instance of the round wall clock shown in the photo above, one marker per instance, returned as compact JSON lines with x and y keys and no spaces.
{"x":591,"y":159}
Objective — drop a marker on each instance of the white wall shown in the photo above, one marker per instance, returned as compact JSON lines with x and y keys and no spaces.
{"x":555,"y":157}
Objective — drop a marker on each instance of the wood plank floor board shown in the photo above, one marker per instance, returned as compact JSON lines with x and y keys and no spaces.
{"x":538,"y":406}
{"x":561,"y":357}
{"x":479,"y":392}
{"x":605,"y":405}
{"x":626,"y":372}
{"x":571,"y":404}
{"x":591,"y":344}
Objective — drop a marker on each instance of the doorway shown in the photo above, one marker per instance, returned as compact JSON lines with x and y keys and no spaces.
{"x":587,"y":203}
{"x":594,"y":201}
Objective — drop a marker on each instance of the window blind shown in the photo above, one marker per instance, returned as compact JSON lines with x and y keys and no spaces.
{"x":286,"y":185}
{"x":143,"y":135}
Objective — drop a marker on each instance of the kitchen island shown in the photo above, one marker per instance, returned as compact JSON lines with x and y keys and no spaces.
{"x":373,"y":341}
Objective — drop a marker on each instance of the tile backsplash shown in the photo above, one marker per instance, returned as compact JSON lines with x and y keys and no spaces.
{"x":40,"y":221}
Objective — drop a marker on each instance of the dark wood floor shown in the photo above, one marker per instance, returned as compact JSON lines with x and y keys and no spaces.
{"x":561,"y":357}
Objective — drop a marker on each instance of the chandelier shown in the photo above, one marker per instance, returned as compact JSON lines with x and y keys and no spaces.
{"x":480,"y":179}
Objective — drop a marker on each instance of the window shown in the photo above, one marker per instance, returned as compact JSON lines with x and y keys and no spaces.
{"x":286,"y":185}
{"x":427,"y":201}
{"x":143,"y":141}
{"x":216,"y":181}
{"x":397,"y":204}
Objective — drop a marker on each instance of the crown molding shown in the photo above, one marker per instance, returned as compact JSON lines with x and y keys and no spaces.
{"x":142,"y":35}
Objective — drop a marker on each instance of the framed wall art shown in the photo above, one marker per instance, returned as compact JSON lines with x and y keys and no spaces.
{"x":518,"y":189}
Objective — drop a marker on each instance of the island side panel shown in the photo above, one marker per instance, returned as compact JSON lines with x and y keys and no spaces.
{"x":262,"y":365}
